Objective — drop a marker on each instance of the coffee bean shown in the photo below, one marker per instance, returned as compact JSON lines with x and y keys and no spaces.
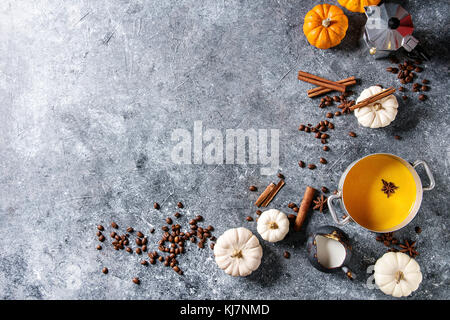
{"x":291,"y":205}
{"x":329,"y":115}
{"x":177,"y":214}
{"x":404,"y":97}
{"x":311,"y":166}
{"x":389,"y":69}
{"x":337,"y":113}
{"x":253,"y":188}
{"x":318,"y":134}
{"x":301,"y":127}
{"x":307,"y":129}
{"x":418,"y":69}
{"x":249,"y":218}
{"x":210,"y":228}
{"x":140,"y":234}
{"x":164,"y":228}
{"x":99,"y":247}
{"x":296,"y":209}
{"x":397,"y":137}
{"x":156,"y":205}
{"x":323,"y":161}
{"x":425,"y":81}
{"x":280,"y":175}
{"x":415,"y":89}
{"x":114,"y":225}
{"x":105,"y":270}
{"x":212,"y":246}
{"x":138,"y":251}
{"x":136,"y":281}
{"x":301,"y":164}
{"x":130,"y":229}
{"x":180,"y":205}
{"x":101,"y":238}
{"x":326,"y":148}
{"x":422,"y":97}
{"x":425,"y":88}
{"x":199,"y":218}
{"x":325,"y":190}
{"x":128,"y":249}
{"x":144,"y":262}
{"x":287,"y":255}
{"x":324,"y":141}
{"x":100,"y":227}
{"x":168,"y":220}
{"x":138,"y":242}
{"x":352,"y":134}
{"x":324,"y":136}
{"x":336,"y":99}
{"x":99,"y":233}
{"x":401,"y":89}
{"x":418,"y":230}
{"x":152,"y":230}
{"x":144,"y":248}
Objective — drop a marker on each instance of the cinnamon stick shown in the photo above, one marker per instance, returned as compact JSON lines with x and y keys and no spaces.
{"x":317,"y":91}
{"x":319,"y":81}
{"x":304,"y":207}
{"x":374,"y":98}
{"x":273,"y":193}
{"x":265,"y":194}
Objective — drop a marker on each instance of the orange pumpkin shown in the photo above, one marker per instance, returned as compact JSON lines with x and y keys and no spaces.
{"x":325,"y":26}
{"x":357,"y":5}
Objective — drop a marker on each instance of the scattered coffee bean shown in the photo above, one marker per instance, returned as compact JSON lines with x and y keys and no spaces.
{"x":249,"y":218}
{"x":156,"y":205}
{"x":128,"y":249}
{"x":114,"y":225}
{"x":329,"y":115}
{"x":100,"y":227}
{"x":337,"y":113}
{"x":280,"y":175}
{"x":291,"y":205}
{"x":152,"y":230}
{"x":177,"y":214}
{"x":425,"y":81}
{"x":101,"y":238}
{"x":307,"y":129}
{"x":404,"y":97}
{"x":199,"y":218}
{"x":138,"y":241}
{"x":311,"y":166}
{"x":323,"y":161}
{"x":302,"y":127}
{"x":325,"y":190}
{"x":253,"y":188}
{"x":105,"y":270}
{"x":422,"y":97}
{"x":401,"y":89}
{"x":164,"y":228}
{"x":99,"y":247}
{"x":180,"y":205}
{"x":258,"y":212}
{"x":425,"y":88}
{"x":295,"y":209}
{"x":138,"y":251}
{"x":418,"y":69}
{"x":396,"y":137}
{"x":352,"y":134}
{"x":324,"y":136}
{"x":301,"y":164}
{"x":287,"y":255}
{"x":99,"y":233}
{"x":169,"y":221}
{"x":326,"y":148}
{"x":212,"y":246}
{"x":418,"y":230}
{"x":144,"y":262}
{"x":136,"y":281}
{"x":140,"y":234}
{"x":130,"y":229}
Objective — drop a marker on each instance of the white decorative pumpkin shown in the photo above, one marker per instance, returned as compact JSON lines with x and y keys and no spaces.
{"x":378,"y":114}
{"x":238,"y":252}
{"x":397,"y":274}
{"x":273,"y":225}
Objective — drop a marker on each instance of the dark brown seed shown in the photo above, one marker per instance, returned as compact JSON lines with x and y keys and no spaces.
{"x":286,"y":255}
{"x":138,"y":242}
{"x":168,"y":220}
{"x":352,"y":134}
{"x":99,"y":233}
{"x":337,"y":113}
{"x":114,"y":225}
{"x":136,"y":281}
{"x":324,"y":136}
{"x":318,"y":134}
{"x":180,"y":205}
{"x":128,"y":249}
{"x":144,"y":248}
{"x":113,"y":234}
{"x":418,"y":229}
{"x":323,"y":160}
{"x":396,"y":137}
{"x":301,"y":164}
{"x":210,"y":228}
{"x":425,"y":81}
{"x":325,"y":190}
{"x":329,"y":115}
{"x":258,"y":212}
{"x":295,"y":209}
{"x":280,"y":175}
{"x":101,"y":238}
{"x":326,"y":148}
{"x":140,"y":234}
{"x":156,"y":205}
{"x":389,"y":69}
{"x":138,"y":251}
{"x":401,"y":89}
{"x":105,"y":270}
{"x":404,"y":97}
{"x":100,"y":227}
{"x":164,"y":228}
{"x":422,"y":97}
{"x":302,"y":127}
{"x":201,"y":245}
{"x":253,"y":188}
{"x":307,"y":129}
{"x":199,"y":218}
{"x":311,"y":166}
{"x":177,"y":214}
{"x":324,"y":141}
{"x":418,"y":69}
{"x":130,"y":229}
{"x":212,"y":246}
{"x":144,"y":262}
{"x":336,"y":98}
{"x":415,"y":89}
{"x":249,"y":218}
{"x":152,"y":230}
{"x":291,"y":205}
{"x":425,"y":88}
{"x":99,"y":247}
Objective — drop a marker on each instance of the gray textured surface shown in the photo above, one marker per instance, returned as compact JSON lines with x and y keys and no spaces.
{"x":91,"y":90}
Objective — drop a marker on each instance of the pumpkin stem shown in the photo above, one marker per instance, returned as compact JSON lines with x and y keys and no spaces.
{"x":399,"y":276}
{"x":237,"y":254}
{"x":326,"y":22}
{"x":378,"y":106}
{"x":273,"y":225}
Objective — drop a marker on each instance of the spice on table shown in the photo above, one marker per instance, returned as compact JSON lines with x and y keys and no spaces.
{"x":304,"y":207}
{"x":409,"y":248}
{"x":136,"y":281}
{"x":280,"y":175}
{"x":326,"y":148}
{"x":273,"y":193}
{"x":397,"y":137}
{"x":325,"y":189}
{"x":323,"y":161}
{"x":422,"y":97}
{"x":105,"y":270}
{"x":249,"y":218}
{"x":156,"y":205}
{"x":388,"y":187}
{"x":286,"y":254}
{"x":264,"y":194}
{"x":100,"y":227}
{"x":99,"y":247}
{"x":301,"y":164}
{"x":320,"y":203}
{"x":418,"y":230}
{"x":180,"y":205}
{"x":311,"y":166}
{"x":319,"y":81}
{"x":322,"y":90}
{"x":114,"y":225}
{"x":352,"y":134}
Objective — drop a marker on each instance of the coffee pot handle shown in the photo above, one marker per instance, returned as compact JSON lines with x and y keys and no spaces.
{"x":339,"y":222}
{"x":428,"y":172}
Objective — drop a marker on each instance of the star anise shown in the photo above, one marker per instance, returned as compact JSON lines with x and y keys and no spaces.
{"x":320,"y":203}
{"x":409,"y":248}
{"x":345,"y":105}
{"x":388,"y":187}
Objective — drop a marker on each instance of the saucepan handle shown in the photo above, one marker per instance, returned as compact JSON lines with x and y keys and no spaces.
{"x":429,"y":174}
{"x":337,"y":196}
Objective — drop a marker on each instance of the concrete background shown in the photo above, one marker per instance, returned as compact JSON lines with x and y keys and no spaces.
{"x":90,"y":93}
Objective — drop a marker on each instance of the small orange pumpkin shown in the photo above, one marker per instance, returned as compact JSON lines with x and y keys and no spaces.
{"x":357,"y":5}
{"x":325,"y":26}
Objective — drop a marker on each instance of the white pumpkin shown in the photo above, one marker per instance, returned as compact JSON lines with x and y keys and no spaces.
{"x":378,"y":114}
{"x":238,"y":252}
{"x":397,"y":274}
{"x":273,"y":225}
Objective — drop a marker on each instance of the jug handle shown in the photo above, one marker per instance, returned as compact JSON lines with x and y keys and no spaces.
{"x":333,"y":211}
{"x":428,"y":172}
